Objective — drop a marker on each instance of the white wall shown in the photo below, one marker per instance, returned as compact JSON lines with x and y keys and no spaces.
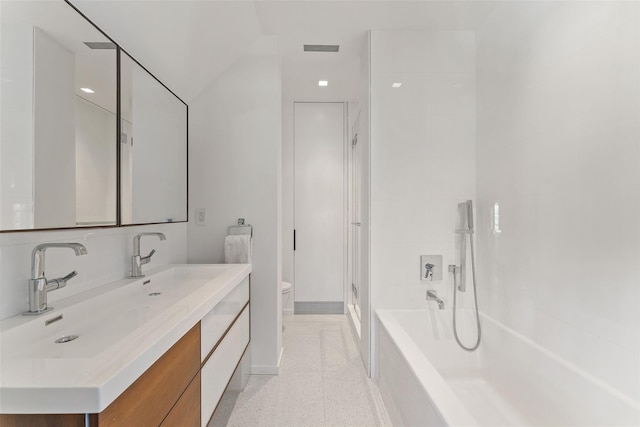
{"x":158,"y":155}
{"x":16,"y":125}
{"x":234,"y":171}
{"x":319,"y":199}
{"x":422,"y":157}
{"x":126,"y":171}
{"x":108,"y":259}
{"x":54,"y":163}
{"x":558,"y":132}
{"x":364,"y":138}
{"x":95,"y":164}
{"x":287,"y":201}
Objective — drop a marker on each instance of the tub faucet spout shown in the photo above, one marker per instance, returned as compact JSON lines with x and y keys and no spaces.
{"x":433,"y":296}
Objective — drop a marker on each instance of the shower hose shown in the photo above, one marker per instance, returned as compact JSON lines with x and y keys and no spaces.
{"x":475,"y":299}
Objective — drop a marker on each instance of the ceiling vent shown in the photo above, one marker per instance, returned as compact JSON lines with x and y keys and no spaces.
{"x":321,"y":48}
{"x":100,"y":45}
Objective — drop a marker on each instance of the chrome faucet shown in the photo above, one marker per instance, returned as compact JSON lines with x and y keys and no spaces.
{"x":38,"y":284}
{"x":433,"y":296}
{"x":428,"y":268}
{"x":138,"y":261}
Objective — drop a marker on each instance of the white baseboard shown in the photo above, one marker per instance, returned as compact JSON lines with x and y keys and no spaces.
{"x":318,"y":307}
{"x":265,"y":370}
{"x":354,"y":321}
{"x":287,"y":311}
{"x":280,"y":358}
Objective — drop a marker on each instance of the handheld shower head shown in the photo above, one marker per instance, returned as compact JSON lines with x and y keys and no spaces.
{"x":469,"y":208}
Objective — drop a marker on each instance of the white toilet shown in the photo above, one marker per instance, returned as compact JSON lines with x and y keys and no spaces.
{"x":286,"y":292}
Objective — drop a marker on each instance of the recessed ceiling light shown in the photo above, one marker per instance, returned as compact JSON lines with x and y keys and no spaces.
{"x":87,"y":90}
{"x":396,"y":85}
{"x":323,"y":83}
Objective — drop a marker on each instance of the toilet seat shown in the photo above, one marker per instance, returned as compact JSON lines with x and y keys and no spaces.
{"x":286,"y":287}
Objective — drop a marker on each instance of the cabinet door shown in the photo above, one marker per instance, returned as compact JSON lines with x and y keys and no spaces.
{"x":148,"y":400}
{"x":219,"y":367}
{"x":186,"y":412}
{"x":42,"y":420}
{"x":218,"y":320}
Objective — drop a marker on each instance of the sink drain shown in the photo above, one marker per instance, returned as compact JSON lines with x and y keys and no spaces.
{"x":155,"y":294}
{"x":66,"y":339}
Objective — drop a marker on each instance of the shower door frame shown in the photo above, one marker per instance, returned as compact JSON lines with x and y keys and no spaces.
{"x":355,"y":220}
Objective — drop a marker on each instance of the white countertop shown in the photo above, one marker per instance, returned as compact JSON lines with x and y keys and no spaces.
{"x":122,"y":331}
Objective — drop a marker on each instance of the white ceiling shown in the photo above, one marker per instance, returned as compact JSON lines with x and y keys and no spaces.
{"x":94,"y":69}
{"x":186,"y":44}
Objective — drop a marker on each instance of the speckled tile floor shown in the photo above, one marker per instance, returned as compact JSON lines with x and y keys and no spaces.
{"x":322,"y":382}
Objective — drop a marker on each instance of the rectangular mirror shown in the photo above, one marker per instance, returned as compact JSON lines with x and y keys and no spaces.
{"x":153,"y":149}
{"x":58,"y":138}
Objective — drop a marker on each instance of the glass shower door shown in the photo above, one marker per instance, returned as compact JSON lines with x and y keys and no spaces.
{"x":355,"y":221}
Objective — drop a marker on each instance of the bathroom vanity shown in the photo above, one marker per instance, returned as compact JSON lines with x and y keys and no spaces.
{"x":159,"y":350}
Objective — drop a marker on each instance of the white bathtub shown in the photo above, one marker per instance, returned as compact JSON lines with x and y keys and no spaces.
{"x":426,"y":379}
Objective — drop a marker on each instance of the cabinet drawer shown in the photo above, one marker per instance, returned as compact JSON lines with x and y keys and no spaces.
{"x":216,"y":322}
{"x":148,"y":400}
{"x":217,"y":372}
{"x":42,"y":420}
{"x":186,"y":412}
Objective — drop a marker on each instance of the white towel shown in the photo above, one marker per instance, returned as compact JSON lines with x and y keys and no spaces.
{"x":237,"y":249}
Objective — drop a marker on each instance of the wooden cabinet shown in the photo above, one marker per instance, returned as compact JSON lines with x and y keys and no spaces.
{"x":42,"y":420}
{"x":222,"y":362}
{"x":225,"y":335}
{"x":148,"y":400}
{"x":183,"y":387}
{"x":167,"y":393}
{"x":216,"y":323}
{"x":186,"y":413}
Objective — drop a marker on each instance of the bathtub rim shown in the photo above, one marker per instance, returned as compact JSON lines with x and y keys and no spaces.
{"x":446,"y":403}
{"x":389,"y":321}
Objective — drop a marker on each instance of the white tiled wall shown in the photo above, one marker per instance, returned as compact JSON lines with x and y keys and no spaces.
{"x":16,"y":124}
{"x":108,"y":259}
{"x":558,"y":131}
{"x":422,"y":157}
{"x":54,"y":140}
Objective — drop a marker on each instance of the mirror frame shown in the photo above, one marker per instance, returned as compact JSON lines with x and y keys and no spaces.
{"x":119,"y":132}
{"x":119,"y":51}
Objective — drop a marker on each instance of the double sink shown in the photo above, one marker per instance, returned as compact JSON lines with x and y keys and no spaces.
{"x":80,"y":356}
